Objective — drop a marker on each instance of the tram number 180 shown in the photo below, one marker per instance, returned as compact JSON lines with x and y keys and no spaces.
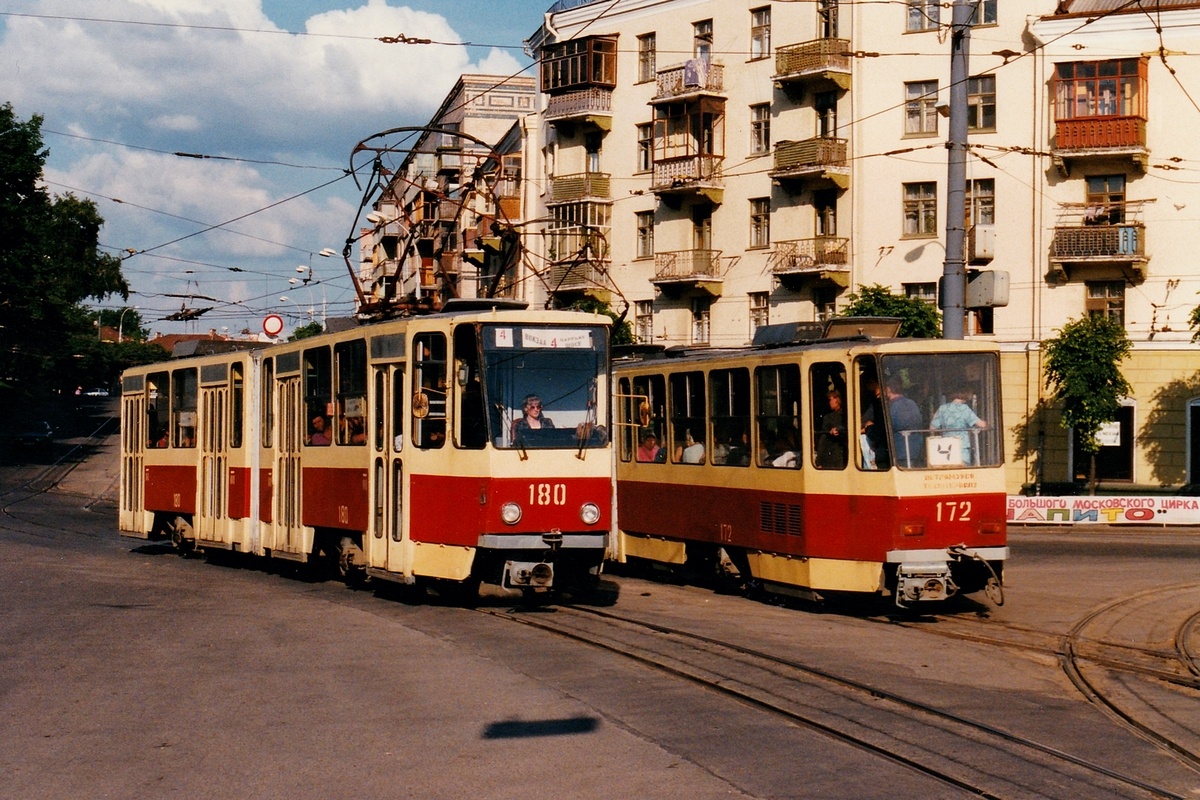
{"x":547,"y":494}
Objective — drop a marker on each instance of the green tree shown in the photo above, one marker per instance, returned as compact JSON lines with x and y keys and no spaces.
{"x":621,"y":332}
{"x":127,"y":322}
{"x":918,"y":319}
{"x":1083,"y":372}
{"x":49,"y":264}
{"x":313,"y":328}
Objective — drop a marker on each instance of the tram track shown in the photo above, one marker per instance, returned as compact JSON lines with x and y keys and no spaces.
{"x":1114,"y":668}
{"x":978,"y":758}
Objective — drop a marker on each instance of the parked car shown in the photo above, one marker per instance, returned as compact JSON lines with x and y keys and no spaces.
{"x":39,"y":434}
{"x":99,"y":391}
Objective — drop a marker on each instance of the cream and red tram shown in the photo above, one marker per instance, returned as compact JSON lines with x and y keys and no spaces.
{"x":909,"y":503}
{"x":390,"y":449}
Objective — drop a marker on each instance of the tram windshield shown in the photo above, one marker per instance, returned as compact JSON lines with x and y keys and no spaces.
{"x":544,"y":386}
{"x":942,"y":409}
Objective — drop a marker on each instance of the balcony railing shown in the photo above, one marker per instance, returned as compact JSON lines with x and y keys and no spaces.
{"x":1099,"y":137}
{"x":824,"y":258}
{"x":581,"y":105}
{"x":580,"y":186}
{"x":821,"y":157}
{"x":696,"y":76}
{"x":687,"y":265}
{"x":1100,"y":235}
{"x":576,"y":276}
{"x":688,"y":173}
{"x":819,"y":59}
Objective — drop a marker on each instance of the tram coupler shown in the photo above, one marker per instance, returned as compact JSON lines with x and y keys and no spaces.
{"x":924,"y":580}
{"x":528,"y":575}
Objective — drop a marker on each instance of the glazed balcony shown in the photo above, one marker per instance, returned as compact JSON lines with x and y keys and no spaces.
{"x":578,"y":277}
{"x":694,"y":78}
{"x":820,"y":159}
{"x":591,"y":106}
{"x":577,"y":243}
{"x":821,"y":61}
{"x":688,"y":269}
{"x":822,"y":259}
{"x":695,"y":175}
{"x":580,"y":186}
{"x":1110,"y":237}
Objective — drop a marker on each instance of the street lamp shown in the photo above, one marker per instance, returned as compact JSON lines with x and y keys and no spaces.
{"x":121,"y":322}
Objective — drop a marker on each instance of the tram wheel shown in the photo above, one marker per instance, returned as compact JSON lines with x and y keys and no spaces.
{"x":347,"y":570}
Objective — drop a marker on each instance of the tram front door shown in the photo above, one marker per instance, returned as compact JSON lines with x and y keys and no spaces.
{"x":389,"y":548}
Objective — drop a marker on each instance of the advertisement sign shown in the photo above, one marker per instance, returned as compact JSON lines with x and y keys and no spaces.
{"x":1102,"y":510}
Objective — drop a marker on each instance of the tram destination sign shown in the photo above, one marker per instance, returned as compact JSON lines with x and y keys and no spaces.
{"x":545,"y":338}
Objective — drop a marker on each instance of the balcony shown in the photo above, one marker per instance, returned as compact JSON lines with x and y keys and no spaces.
{"x":580,"y":186}
{"x":694,"y":78}
{"x":449,"y":160}
{"x":820,"y":159}
{"x":577,"y":243}
{"x":823,"y":260}
{"x":818,"y":63}
{"x":688,"y":269}
{"x":1086,"y":139}
{"x":1108,"y":240}
{"x":579,"y":278}
{"x":694,"y":175}
{"x":592,"y":106}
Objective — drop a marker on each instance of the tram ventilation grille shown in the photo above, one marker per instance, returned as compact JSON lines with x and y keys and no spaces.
{"x":779,"y":518}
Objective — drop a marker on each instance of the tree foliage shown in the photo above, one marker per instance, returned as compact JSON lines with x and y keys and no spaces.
{"x":49,"y":264}
{"x":621,"y":331}
{"x":1083,"y":371}
{"x":918,"y":319}
{"x":307,"y":330}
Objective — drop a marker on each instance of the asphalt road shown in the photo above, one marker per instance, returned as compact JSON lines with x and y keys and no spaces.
{"x":128,"y":672}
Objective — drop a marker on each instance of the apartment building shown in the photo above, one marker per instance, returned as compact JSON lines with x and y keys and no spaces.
{"x":715,"y":166}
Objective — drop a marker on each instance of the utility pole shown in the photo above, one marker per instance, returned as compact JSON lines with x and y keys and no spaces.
{"x":954,"y":272}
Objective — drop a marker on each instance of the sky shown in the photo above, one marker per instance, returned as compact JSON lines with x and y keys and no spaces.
{"x":268,"y":99}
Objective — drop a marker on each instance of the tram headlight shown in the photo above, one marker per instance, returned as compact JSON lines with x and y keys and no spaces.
{"x":590,"y":513}
{"x":510,"y":513}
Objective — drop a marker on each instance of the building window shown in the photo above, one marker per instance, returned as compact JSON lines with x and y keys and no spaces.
{"x":981,"y":103}
{"x":981,"y":202}
{"x":645,"y":234}
{"x":701,"y":320}
{"x":1100,"y":89}
{"x":981,"y":321}
{"x":827,"y":18}
{"x":702,"y":39}
{"x":591,"y":145}
{"x":760,"y":33}
{"x":643,"y":315}
{"x":925,"y":292}
{"x":760,"y":311}
{"x":760,"y":128}
{"x":825,"y":104}
{"x":1105,"y":200}
{"x":645,"y":147}
{"x":1106,"y":299}
{"x":825,"y":206}
{"x":824,"y":300}
{"x":985,"y":13}
{"x":646,"y":48}
{"x":1114,"y":461}
{"x":920,"y":112}
{"x":702,"y":227}
{"x":579,"y":63}
{"x":923,"y":15}
{"x":760,"y":222}
{"x":920,"y":209}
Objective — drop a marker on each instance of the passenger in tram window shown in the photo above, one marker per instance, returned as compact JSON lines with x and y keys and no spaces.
{"x":909,"y":449}
{"x":831,"y":441}
{"x":319,"y":435}
{"x":531,"y":417}
{"x":691,"y":451}
{"x":355,"y":430}
{"x":648,"y":449}
{"x":874,"y":434}
{"x":957,"y":418}
{"x":782,"y":453}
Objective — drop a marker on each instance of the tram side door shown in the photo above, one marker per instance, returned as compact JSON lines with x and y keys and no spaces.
{"x":133,"y":442}
{"x":389,"y":548}
{"x":288,"y":534}
{"x":213,"y":463}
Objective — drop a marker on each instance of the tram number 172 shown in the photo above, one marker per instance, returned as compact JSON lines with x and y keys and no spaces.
{"x":954,"y":511}
{"x":547,"y":494}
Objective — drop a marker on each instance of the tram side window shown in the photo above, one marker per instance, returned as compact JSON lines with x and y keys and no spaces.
{"x":184,"y":395}
{"x":648,"y":409}
{"x":874,"y":449}
{"x":158,"y":409}
{"x":730,"y":390}
{"x":318,"y":395}
{"x":268,"y":402}
{"x":831,"y":437}
{"x":472,"y":431}
{"x":778,"y":389}
{"x":398,"y":408}
{"x":688,"y":433}
{"x":237,"y":403}
{"x":429,"y":390}
{"x":351,"y":359}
